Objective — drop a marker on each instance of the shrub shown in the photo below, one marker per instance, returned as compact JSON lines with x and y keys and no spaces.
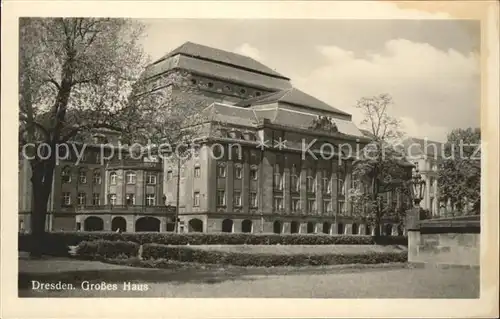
{"x":64,"y":239}
{"x":107,"y":249}
{"x":186,"y":254}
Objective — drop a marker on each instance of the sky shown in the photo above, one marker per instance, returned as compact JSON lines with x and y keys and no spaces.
{"x":430,"y":67}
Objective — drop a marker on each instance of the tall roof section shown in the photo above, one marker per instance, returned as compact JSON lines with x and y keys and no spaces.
{"x":294,"y":97}
{"x":219,"y":64}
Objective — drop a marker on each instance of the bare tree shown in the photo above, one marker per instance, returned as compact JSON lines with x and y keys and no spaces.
{"x":380,"y":168}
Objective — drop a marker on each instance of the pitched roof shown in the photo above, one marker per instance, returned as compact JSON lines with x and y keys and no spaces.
{"x":292,"y":96}
{"x":216,"y":70}
{"x":225,"y":57}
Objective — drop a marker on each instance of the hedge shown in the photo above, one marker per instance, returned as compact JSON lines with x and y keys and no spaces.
{"x":186,"y":254}
{"x":61,"y":240}
{"x":107,"y":249}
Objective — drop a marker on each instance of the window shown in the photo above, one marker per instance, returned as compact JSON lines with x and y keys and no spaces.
{"x":130,"y":199}
{"x":98,"y":158}
{"x":294,"y":183}
{"x":341,"y":189}
{"x":210,"y":84}
{"x":112,"y":178}
{"x":150,"y":199}
{"x":311,"y":185}
{"x":254,"y":173}
{"x":295,"y":204}
{"x":228,"y":88}
{"x":253,"y":199}
{"x":311,"y":205}
{"x":221,"y":171}
{"x":151,"y":179}
{"x":257,"y":93}
{"x":66,"y":175}
{"x":197,"y":172}
{"x":278,"y":178}
{"x":96,"y":177}
{"x":169,"y":175}
{"x":66,"y":199}
{"x":243,"y":91}
{"x":82,"y":176}
{"x":237,"y":199}
{"x":96,"y":199}
{"x":238,"y":172}
{"x":131,"y":177}
{"x":221,"y":198}
{"x":196,"y":199}
{"x":327,"y":187}
{"x":278,"y":203}
{"x":327,"y":206}
{"x":81,"y":198}
{"x":112,"y":199}
{"x":342,"y":207}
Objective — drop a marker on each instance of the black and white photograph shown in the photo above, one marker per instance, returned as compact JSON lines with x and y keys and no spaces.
{"x":182,"y":157}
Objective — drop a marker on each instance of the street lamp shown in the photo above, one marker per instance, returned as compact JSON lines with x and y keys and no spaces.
{"x":418,"y":185}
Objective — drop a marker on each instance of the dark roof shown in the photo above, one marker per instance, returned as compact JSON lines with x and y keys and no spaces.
{"x":216,"y":70}
{"x":292,"y":96}
{"x":250,"y":117}
{"x":225,"y":57}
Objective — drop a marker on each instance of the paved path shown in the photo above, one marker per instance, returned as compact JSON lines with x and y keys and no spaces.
{"x":393,"y":281}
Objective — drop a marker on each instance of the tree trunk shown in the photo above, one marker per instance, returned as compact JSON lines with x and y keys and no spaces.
{"x":41,"y":181}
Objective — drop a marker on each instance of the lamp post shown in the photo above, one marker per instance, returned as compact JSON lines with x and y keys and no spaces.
{"x":414,"y":214}
{"x":418,"y":186}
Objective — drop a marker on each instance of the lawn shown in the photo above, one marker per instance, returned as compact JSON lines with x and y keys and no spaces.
{"x":303,"y":249}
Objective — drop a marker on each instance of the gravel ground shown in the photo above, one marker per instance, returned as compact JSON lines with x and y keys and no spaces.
{"x":345,"y":281}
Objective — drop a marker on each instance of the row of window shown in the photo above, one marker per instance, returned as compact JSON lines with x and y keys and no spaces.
{"x":96,"y":199}
{"x":227,"y":88}
{"x":237,"y":199}
{"x":130,"y":177}
{"x":82,"y":176}
{"x":278,"y":204}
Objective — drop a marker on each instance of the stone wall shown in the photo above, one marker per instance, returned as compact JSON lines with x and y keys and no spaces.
{"x":446,"y":241}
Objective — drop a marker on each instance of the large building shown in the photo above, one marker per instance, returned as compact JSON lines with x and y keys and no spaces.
{"x":252,"y":172}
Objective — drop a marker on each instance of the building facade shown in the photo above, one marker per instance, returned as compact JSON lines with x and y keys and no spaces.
{"x":425,"y":156}
{"x":269,"y":159}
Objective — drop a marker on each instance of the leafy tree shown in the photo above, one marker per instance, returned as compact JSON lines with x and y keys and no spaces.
{"x":380,"y":168}
{"x":460,"y":170}
{"x":76,"y":75}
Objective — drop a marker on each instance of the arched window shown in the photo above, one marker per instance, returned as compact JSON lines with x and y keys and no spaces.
{"x":354,"y":229}
{"x":93,"y":223}
{"x":119,"y":223}
{"x":311,"y":185}
{"x":340,"y":229}
{"x":310,"y":227}
{"x":368,"y":230}
{"x":130,"y":177}
{"x":388,"y":229}
{"x":147,"y":224}
{"x":66,"y":175}
{"x":277,"y":227}
{"x":326,"y":227}
{"x":246,"y":226}
{"x":113,"y":178}
{"x":227,"y":226}
{"x":294,"y":227}
{"x":195,"y":225}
